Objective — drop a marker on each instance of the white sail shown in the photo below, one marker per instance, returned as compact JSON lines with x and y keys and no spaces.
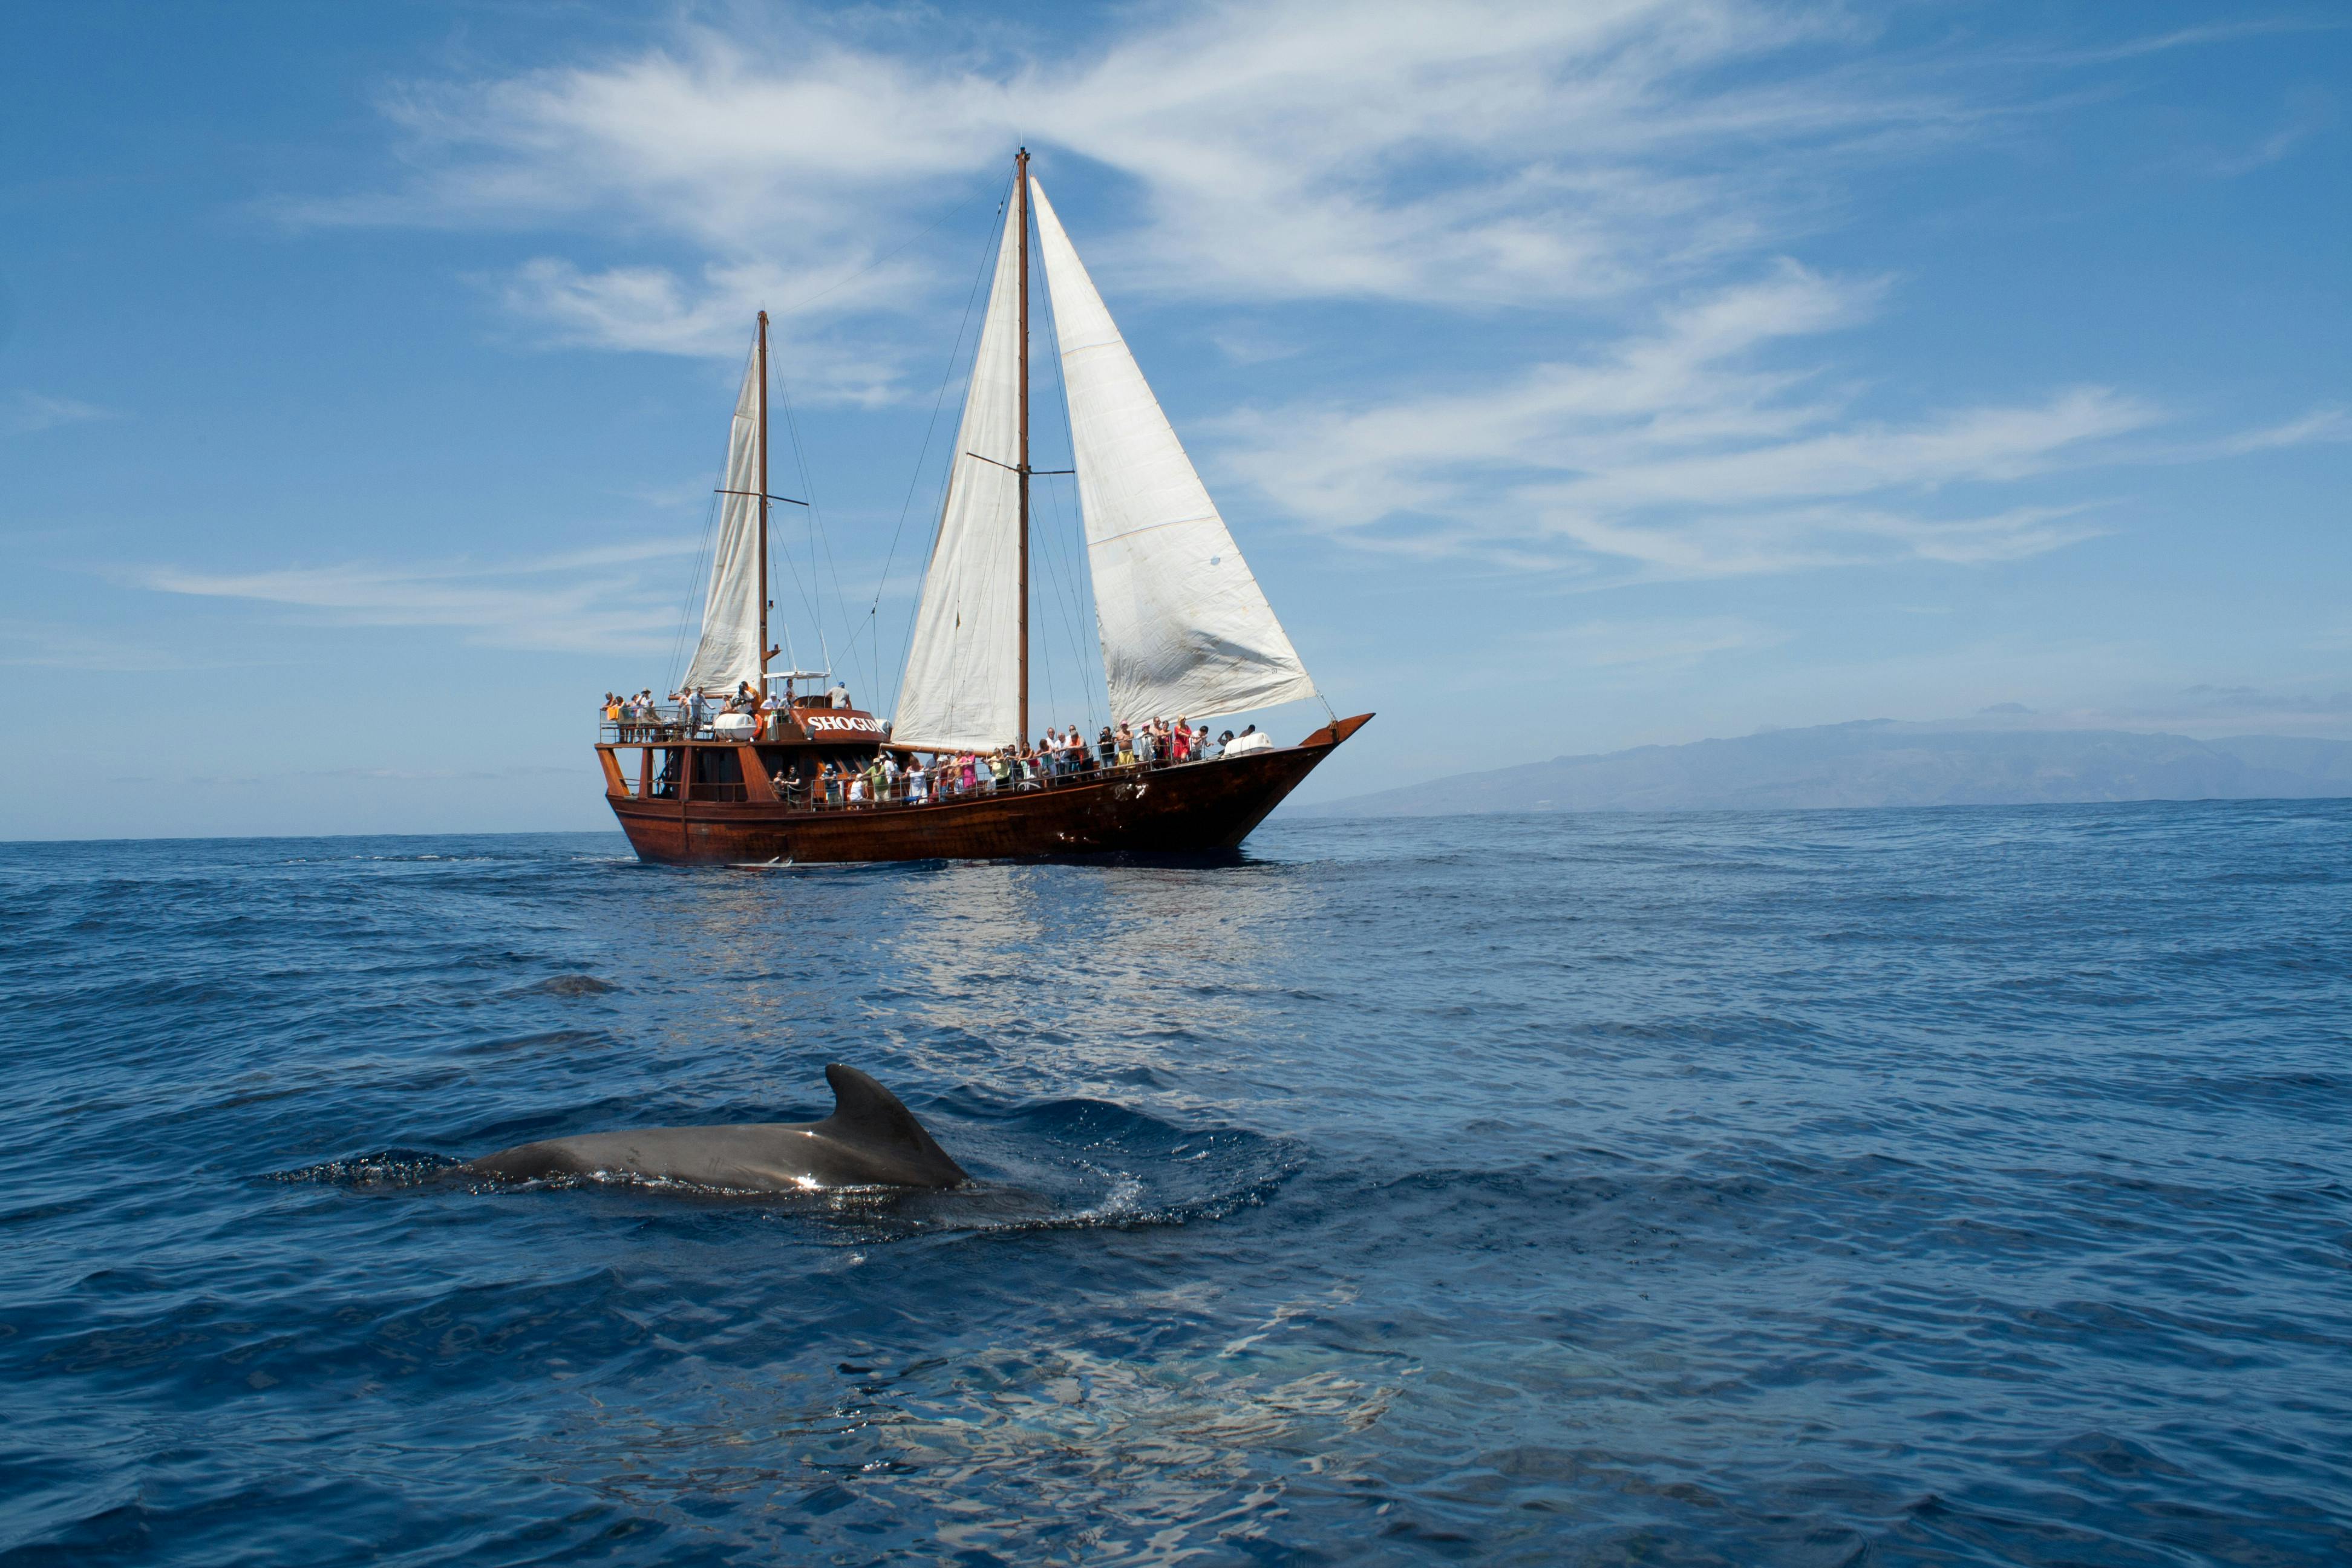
{"x":729,"y":649}
{"x":962,"y":688}
{"x":1185,"y":628}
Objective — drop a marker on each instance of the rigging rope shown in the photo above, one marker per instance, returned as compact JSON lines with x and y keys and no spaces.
{"x":687,"y":623}
{"x":947,"y":379}
{"x":817,"y":532}
{"x":1097,"y":673}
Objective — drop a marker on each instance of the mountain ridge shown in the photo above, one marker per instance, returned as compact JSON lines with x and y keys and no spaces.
{"x":1885,"y":762}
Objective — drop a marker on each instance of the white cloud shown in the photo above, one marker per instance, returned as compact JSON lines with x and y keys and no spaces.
{"x":26,"y":413}
{"x":585,"y":601}
{"x":2197,"y":37}
{"x":1680,"y":451}
{"x":652,"y":310}
{"x":1480,"y":152}
{"x":1649,"y":646}
{"x":1617,"y":158}
{"x":2332,"y":424}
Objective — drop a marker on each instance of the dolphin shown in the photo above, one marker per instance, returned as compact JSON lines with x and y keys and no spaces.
{"x":869,"y":1141}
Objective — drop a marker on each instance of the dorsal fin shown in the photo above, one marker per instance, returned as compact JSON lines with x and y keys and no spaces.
{"x":864,"y":1110}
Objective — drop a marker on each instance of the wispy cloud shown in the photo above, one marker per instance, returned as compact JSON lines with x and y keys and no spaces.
{"x":23,"y":413}
{"x":1476,"y":153}
{"x":2196,"y":38}
{"x":586,"y":601}
{"x":1645,"y":165}
{"x":1681,"y":450}
{"x":654,"y":309}
{"x":2307,"y":115}
{"x":2333,"y":422}
{"x":1646,"y":646}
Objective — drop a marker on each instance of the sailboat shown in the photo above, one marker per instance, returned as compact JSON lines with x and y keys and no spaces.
{"x":1185,"y":630}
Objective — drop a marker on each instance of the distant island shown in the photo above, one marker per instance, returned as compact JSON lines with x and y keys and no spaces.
{"x":1883,"y":763}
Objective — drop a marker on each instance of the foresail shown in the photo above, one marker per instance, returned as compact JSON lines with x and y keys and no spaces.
{"x":729,"y":649}
{"x":1185,"y":628}
{"x":962,"y":687}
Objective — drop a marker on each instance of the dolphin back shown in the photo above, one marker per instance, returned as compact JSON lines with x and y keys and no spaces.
{"x":868,"y":1117}
{"x":870,"y":1140}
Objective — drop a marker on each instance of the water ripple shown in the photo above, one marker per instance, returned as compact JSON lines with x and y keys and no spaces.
{"x":1900,"y":1187}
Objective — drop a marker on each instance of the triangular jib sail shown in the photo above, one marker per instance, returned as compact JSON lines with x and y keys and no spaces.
{"x":1185,"y":627}
{"x":962,"y":688}
{"x":729,"y":649}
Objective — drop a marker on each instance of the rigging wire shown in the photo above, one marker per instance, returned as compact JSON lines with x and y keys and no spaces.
{"x":697,"y":581}
{"x":702,"y":555}
{"x":1059,"y":572}
{"x":817,"y":532}
{"x":947,"y":379}
{"x":809,"y":600}
{"x":872,"y":647}
{"x":1082,"y":581}
{"x":686,"y":620}
{"x":1065,"y":600}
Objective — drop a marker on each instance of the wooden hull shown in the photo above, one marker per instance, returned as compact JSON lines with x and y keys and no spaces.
{"x":1193,"y":808}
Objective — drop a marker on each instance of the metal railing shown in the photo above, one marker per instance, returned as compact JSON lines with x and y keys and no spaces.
{"x":675,"y":725}
{"x":832,"y":794}
{"x":654,"y":726}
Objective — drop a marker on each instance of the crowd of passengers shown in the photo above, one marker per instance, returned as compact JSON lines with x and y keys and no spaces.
{"x":638,"y":717}
{"x":1059,"y":756}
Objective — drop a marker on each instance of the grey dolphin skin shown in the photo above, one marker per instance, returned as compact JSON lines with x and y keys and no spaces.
{"x":869,"y":1141}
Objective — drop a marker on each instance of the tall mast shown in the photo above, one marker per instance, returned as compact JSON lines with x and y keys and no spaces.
{"x":1021,"y":215}
{"x":764,"y":649}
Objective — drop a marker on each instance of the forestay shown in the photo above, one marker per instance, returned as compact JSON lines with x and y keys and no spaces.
{"x":1185,"y":628}
{"x":729,"y":649}
{"x":962,"y":685}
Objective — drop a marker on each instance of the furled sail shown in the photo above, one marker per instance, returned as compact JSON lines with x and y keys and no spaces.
{"x":1185,"y":628}
{"x":962,"y":687}
{"x":729,"y":649}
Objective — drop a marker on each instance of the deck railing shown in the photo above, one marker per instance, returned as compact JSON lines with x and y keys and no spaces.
{"x":832,"y":795}
{"x":673,"y":726}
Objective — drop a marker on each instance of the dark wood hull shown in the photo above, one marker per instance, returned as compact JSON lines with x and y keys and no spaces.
{"x":1193,"y":808}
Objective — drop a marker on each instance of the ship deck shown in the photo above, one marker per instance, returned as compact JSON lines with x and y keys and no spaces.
{"x":713,"y":802}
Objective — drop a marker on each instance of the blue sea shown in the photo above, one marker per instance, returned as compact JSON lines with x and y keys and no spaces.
{"x":1958,"y":1186}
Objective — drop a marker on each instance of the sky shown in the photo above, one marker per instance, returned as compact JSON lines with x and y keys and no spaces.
{"x":1574,"y":376}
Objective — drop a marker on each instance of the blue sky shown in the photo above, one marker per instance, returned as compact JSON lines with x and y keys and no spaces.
{"x":1575,"y":376}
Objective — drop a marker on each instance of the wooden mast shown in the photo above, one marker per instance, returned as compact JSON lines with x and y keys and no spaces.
{"x":1021,"y":217}
{"x":764,"y":649}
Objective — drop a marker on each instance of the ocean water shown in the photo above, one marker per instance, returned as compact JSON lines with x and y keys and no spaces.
{"x":1895,"y":1187}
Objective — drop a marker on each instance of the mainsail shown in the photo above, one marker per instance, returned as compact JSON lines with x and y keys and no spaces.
{"x":961,"y":690}
{"x":1185,"y":627}
{"x":729,"y":649}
